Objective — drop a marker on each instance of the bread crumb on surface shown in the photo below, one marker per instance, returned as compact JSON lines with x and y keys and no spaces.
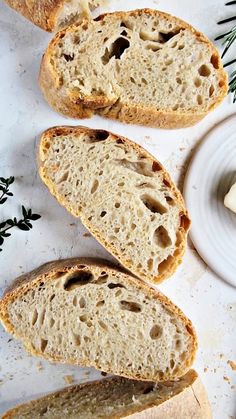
{"x":232,"y":364}
{"x":205,"y":369}
{"x":221,"y":356}
{"x":69,"y":379}
{"x":87,"y":235}
{"x":226,"y":378}
{"x":39,"y":366}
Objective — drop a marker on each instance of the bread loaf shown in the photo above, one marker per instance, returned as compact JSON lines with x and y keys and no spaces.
{"x":53,"y":15}
{"x":116,"y":397}
{"x":144,"y":67}
{"x":88,"y":313}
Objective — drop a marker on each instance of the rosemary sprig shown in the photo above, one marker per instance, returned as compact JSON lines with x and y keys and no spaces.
{"x":23,"y":224}
{"x":4,"y":188}
{"x":228,"y":39}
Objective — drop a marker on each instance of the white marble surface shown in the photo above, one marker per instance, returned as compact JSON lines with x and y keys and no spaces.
{"x":207,"y":300}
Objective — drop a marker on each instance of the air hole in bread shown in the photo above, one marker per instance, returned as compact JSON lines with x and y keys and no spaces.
{"x":132,"y":80}
{"x":133,"y":226}
{"x":204,"y":70}
{"x":102,"y":279}
{"x":140,"y":167}
{"x":102,"y":325}
{"x":42,"y":317}
{"x":181,"y":46}
{"x":43,"y":344}
{"x":52,"y":297}
{"x":215,"y":61}
{"x":166,"y":183}
{"x":172,"y":364}
{"x":34,"y":317}
{"x":184,"y":222}
{"x":153,"y":46}
{"x":166,"y":36}
{"x":156,"y":332}
{"x":199,"y":100}
{"x":150,"y":264}
{"x":43,"y":411}
{"x":77,"y":279}
{"x":117,"y":49}
{"x":221,"y":83}
{"x":169,"y":62}
{"x":103,"y":213}
{"x":82,"y":302}
{"x":178,"y":80}
{"x":170,"y":201}
{"x":76,"y":338}
{"x":197,"y":82}
{"x":161,"y":237}
{"x":98,"y":136}
{"x":51,"y":322}
{"x":156,"y":167}
{"x":124,"y":33}
{"x":165,"y":264}
{"x":153,"y":205}
{"x":145,"y":185}
{"x":130,"y":306}
{"x":68,"y":57}
{"x":95,"y":186}
{"x":113,"y":285}
{"x":117,"y":205}
{"x":149,"y":389}
{"x":100,"y":303}
{"x":211,"y":90}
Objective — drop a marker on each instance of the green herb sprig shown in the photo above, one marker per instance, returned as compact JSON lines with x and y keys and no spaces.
{"x":228,"y":40}
{"x":23,"y":223}
{"x":4,"y":188}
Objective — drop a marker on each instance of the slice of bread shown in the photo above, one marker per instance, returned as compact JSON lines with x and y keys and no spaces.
{"x":86,"y":312}
{"x":143,"y":67}
{"x":116,"y":397}
{"x":122,"y":194}
{"x":53,"y":15}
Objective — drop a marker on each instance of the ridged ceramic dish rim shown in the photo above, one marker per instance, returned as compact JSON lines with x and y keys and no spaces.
{"x":211,"y":173}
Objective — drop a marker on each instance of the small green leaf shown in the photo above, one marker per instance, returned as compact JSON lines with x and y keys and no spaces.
{"x":2,"y":188}
{"x":1,"y":240}
{"x":28,"y":224}
{"x":24,"y":212}
{"x":9,"y":193}
{"x":15,"y":220}
{"x":11,"y":180}
{"x":10,"y":222}
{"x":3,"y":224}
{"x":35,"y":217}
{"x":6,"y":234}
{"x":29,"y":212}
{"x":3,"y":180}
{"x":3,"y":200}
{"x":23,"y":227}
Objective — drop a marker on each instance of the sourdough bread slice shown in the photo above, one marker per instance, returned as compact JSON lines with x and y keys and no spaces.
{"x":86,"y":312}
{"x":54,"y":14}
{"x":122,"y":194}
{"x":143,"y":67}
{"x":114,"y":398}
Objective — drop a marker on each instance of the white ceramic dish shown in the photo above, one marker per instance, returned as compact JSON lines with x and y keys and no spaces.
{"x":210,"y":176}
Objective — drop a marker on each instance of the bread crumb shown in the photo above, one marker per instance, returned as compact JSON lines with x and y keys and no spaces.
{"x":214,"y":370}
{"x":69,"y":379}
{"x":103,"y":373}
{"x":87,"y":235}
{"x":221,"y":356}
{"x":39,"y":366}
{"x":72,"y":224}
{"x":226,"y":378}
{"x":232,"y":364}
{"x":232,"y":387}
{"x":205,"y":369}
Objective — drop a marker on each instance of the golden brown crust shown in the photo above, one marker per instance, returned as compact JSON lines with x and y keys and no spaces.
{"x":47,"y":272}
{"x":40,"y":12}
{"x":183,"y":230}
{"x":72,"y":105}
{"x":192,"y":401}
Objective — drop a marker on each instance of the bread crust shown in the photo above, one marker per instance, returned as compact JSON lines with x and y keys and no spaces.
{"x":192,"y":402}
{"x":42,"y":13}
{"x":75,"y":106}
{"x":183,"y":230}
{"x":27,"y":282}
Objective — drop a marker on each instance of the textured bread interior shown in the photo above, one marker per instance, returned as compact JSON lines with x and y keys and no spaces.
{"x":100,"y":317}
{"x":73,"y":10}
{"x":139,"y":58}
{"x":122,"y":194}
{"x":111,"y":398}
